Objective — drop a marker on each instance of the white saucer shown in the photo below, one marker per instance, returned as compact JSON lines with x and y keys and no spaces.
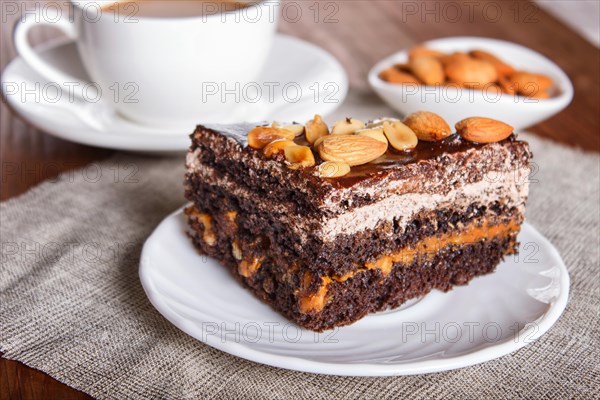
{"x":291,"y":61}
{"x":491,"y":317}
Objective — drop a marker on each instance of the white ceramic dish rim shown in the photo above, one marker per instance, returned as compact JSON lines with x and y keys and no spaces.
{"x":562,"y":82}
{"x":525,"y":336}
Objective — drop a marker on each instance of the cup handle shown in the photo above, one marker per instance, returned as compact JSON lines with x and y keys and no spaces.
{"x":31,"y":57}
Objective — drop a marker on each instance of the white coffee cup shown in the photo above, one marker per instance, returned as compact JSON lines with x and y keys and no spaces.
{"x":154,"y":70}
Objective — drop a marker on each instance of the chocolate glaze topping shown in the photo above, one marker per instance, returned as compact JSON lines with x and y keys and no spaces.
{"x":391,"y":159}
{"x":238,"y":132}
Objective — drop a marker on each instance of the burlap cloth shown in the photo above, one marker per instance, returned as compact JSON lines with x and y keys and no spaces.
{"x":72,"y":304}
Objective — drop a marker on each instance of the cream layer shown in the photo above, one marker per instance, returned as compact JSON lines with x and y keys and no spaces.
{"x":510,"y":188}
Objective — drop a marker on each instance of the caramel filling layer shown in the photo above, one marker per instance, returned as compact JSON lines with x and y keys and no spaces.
{"x":313,"y":301}
{"x":424,"y":249}
{"x":316,"y":300}
{"x":431,"y":245}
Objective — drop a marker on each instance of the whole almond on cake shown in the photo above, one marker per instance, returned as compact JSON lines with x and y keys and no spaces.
{"x":428,"y":126}
{"x":483,"y":130}
{"x":351,"y":149}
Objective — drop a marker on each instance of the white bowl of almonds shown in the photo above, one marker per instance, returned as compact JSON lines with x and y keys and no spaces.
{"x":475,"y":76}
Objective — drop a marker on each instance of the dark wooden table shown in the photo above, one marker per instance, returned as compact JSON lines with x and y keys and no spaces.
{"x":358,"y":33}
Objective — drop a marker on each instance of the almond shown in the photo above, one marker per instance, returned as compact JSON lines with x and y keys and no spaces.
{"x":375,"y":133}
{"x":471,"y":73}
{"x":347,"y":126}
{"x":277,"y":146}
{"x":332,"y":169}
{"x":483,"y":130}
{"x":422,"y":51}
{"x":428,"y":126}
{"x":529,"y":84}
{"x":299,"y":156}
{"x":504,"y":69}
{"x":260,"y":136}
{"x":456,"y":56}
{"x":315,"y":129}
{"x":484,"y":55}
{"x":400,"y":136}
{"x":429,"y":70}
{"x":296,"y":129}
{"x":402,"y":67}
{"x":530,"y":90}
{"x":501,"y":67}
{"x":351,"y":149}
{"x":506,"y":85}
{"x":394,"y":75}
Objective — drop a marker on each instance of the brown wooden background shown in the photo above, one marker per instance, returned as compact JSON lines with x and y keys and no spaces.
{"x":358,"y":33}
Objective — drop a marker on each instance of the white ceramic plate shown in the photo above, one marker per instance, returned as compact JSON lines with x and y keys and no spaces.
{"x":491,"y":317}
{"x":322,"y":80}
{"x":454,"y":104}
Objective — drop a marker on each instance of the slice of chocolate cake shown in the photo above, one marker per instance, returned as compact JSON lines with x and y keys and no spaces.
{"x":329,"y":225}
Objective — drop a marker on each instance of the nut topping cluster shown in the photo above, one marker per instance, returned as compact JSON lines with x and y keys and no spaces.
{"x":351,"y":142}
{"x":477,"y":69}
